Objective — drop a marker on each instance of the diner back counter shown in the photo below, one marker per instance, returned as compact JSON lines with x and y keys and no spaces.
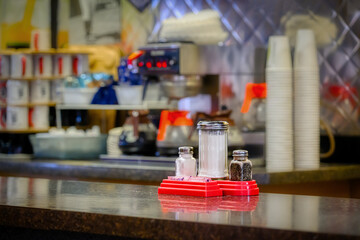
{"x":63,"y":209}
{"x":333,"y":180}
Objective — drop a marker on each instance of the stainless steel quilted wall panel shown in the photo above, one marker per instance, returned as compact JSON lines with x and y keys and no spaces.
{"x":251,"y":22}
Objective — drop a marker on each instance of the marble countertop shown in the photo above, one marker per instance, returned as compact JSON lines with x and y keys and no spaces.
{"x":138,"y":170}
{"x":137,"y":211}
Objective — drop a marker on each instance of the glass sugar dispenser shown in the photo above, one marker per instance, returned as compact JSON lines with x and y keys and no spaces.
{"x":240,"y":166}
{"x":213,"y":145}
{"x":185,"y":164}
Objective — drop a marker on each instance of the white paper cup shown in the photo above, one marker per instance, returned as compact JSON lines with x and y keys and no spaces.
{"x":43,"y":65}
{"x":305,"y":56}
{"x":4,"y":66}
{"x":279,"y":126}
{"x":57,"y":90}
{"x":17,"y":118}
{"x":80,"y":64}
{"x":306,"y":102}
{"x":3,"y":92}
{"x":40,"y":91}
{"x":17,"y":92}
{"x":129,"y":95}
{"x":62,"y":65}
{"x":40,"y":39}
{"x":21,"y":65}
{"x":279,"y":53}
{"x":39,"y":117}
{"x":2,"y":118}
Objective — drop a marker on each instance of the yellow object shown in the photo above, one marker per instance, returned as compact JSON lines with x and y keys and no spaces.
{"x":19,"y":32}
{"x":63,"y":39}
{"x":331,"y":139}
{"x":101,"y":58}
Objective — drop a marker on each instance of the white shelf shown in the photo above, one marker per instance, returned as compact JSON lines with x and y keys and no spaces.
{"x":22,"y":156}
{"x":25,"y":131}
{"x":144,"y":106}
{"x":148,"y":105}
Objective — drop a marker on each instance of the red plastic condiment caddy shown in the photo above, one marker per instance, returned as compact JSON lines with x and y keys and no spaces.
{"x":238,"y":188}
{"x":240,"y":169}
{"x":190,"y":188}
{"x":209,"y":189}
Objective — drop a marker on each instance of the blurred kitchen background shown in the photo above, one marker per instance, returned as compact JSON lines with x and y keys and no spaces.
{"x":150,"y":120}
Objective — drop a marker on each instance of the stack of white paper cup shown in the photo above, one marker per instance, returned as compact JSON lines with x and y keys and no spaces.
{"x":39,"y":117}
{"x":2,"y":118}
{"x":4,"y":66}
{"x":21,"y":65}
{"x":3,"y":92}
{"x":40,"y":39}
{"x":80,"y":64}
{"x":40,"y":91}
{"x":43,"y":65}
{"x":62,"y":65}
{"x":306,"y":101}
{"x":17,"y":92}
{"x":56,"y":90}
{"x":279,"y":125}
{"x":17,"y":118}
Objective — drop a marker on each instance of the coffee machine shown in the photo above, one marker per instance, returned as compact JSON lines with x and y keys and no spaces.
{"x":183,"y":71}
{"x":176,"y":65}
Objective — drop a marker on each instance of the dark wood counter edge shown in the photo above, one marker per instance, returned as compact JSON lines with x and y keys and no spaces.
{"x":48,"y":169}
{"x":148,"y":228}
{"x":325,"y":173}
{"x":104,"y":172}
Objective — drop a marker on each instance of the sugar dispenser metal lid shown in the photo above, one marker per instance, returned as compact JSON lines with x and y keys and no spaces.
{"x":213,"y":125}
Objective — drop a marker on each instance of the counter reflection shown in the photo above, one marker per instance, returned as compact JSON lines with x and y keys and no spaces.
{"x":307,"y":213}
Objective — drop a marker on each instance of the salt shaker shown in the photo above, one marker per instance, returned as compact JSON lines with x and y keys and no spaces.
{"x":185,"y":164}
{"x":240,"y":166}
{"x":213,"y":156}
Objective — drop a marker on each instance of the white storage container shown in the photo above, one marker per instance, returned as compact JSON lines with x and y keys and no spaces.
{"x":78,"y":95}
{"x":129,"y":95}
{"x":68,"y":147}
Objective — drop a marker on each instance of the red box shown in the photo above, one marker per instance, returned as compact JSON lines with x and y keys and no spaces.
{"x":190,"y":188}
{"x":239,"y":188}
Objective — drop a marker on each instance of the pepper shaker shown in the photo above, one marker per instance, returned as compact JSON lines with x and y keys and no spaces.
{"x":240,"y":166}
{"x":185,"y":164}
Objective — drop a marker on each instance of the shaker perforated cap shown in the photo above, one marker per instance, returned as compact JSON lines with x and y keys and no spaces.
{"x":240,"y":153}
{"x":213,"y":125}
{"x":186,"y":150}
